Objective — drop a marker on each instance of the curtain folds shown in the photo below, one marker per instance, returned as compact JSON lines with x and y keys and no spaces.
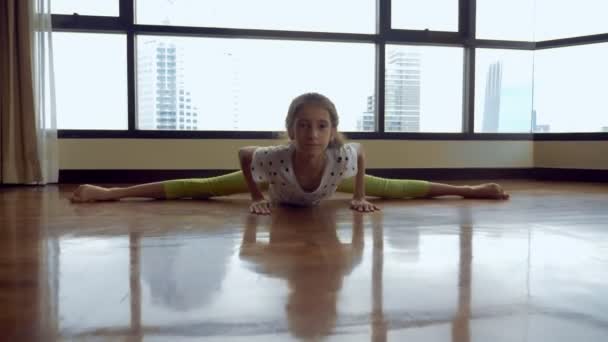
{"x":28,"y":130}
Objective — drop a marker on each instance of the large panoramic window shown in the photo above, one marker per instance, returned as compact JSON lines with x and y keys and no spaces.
{"x":246,"y":84}
{"x":570,"y":89}
{"x":423,"y":90}
{"x":394,"y":68}
{"x":308,"y":15}
{"x":435,"y":15}
{"x":503,"y":91}
{"x":90,"y":80}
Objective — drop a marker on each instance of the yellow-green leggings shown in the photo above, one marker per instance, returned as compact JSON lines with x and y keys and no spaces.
{"x":234,"y":183}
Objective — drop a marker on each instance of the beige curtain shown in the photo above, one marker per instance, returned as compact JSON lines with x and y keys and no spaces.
{"x":28,"y":136}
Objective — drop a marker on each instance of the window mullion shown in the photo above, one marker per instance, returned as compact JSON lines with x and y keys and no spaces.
{"x":127,"y":17}
{"x":467,"y":28}
{"x":384,"y":26}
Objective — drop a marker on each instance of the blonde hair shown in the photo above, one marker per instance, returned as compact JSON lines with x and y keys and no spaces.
{"x":317,"y":100}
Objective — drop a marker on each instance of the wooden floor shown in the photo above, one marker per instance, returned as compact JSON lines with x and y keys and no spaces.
{"x":534,"y":268}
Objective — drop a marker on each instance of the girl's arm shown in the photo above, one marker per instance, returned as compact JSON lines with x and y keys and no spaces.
{"x":359,"y":193}
{"x":260,"y":205}
{"x":359,"y":202}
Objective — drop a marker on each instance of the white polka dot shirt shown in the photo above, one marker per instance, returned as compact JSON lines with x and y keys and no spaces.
{"x":274,"y":165}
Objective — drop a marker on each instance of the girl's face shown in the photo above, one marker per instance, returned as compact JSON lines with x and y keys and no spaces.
{"x":312,"y":130}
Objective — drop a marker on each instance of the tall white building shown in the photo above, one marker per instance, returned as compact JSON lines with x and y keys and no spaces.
{"x":163,"y":101}
{"x":367,"y":121}
{"x":402,"y":92}
{"x":402,"y":95}
{"x":536,"y":128}
{"x":491,"y":109}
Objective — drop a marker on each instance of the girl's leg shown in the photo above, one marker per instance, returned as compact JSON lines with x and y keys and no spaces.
{"x":486,"y":190}
{"x":405,"y":188}
{"x":388,"y":188}
{"x":224,"y":185}
{"x":90,"y":193}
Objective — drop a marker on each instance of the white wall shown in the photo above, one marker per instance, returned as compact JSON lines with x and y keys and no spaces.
{"x":174,"y":154}
{"x":571,"y":154}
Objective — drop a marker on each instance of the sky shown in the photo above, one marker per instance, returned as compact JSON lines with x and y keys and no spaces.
{"x":557,"y":83}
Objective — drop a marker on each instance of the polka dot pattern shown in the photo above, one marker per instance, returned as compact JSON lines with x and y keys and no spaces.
{"x":274,"y":164}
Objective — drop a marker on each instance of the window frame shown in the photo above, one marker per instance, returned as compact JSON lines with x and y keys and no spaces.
{"x":464,"y":38}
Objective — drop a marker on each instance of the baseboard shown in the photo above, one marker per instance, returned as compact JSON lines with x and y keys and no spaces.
{"x":133,"y":176}
{"x":578,"y":175}
{"x":144,"y":176}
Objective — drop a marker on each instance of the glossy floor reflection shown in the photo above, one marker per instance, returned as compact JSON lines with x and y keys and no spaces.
{"x":530,"y":269}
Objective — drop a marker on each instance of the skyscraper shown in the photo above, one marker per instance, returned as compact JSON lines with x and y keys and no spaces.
{"x":232,"y":64}
{"x":491,"y":110}
{"x":402,"y":95}
{"x":402,"y":89}
{"x":535,"y":127}
{"x":163,"y":100}
{"x":367,"y":122}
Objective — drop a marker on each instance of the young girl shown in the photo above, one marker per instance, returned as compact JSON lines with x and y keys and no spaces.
{"x":311,"y":167}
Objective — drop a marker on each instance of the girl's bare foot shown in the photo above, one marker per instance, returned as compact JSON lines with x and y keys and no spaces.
{"x":488,"y":190}
{"x":91,"y":193}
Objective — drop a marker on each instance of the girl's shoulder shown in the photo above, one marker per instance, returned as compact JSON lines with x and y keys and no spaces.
{"x":346,"y":154}
{"x":271,"y":151}
{"x":350,"y":149}
{"x":344,"y":160}
{"x":353,"y":146}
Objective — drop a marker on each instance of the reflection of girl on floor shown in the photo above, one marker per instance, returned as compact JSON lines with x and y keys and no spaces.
{"x":305,"y":250}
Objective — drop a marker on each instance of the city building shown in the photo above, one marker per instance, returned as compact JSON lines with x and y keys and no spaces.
{"x":402,"y":95}
{"x":536,"y":128}
{"x":367,"y":122}
{"x":491,"y":109}
{"x":402,"y":89}
{"x":164,"y":103}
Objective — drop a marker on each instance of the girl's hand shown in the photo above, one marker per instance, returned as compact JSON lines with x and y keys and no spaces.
{"x":260,"y":207}
{"x":363,"y":206}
